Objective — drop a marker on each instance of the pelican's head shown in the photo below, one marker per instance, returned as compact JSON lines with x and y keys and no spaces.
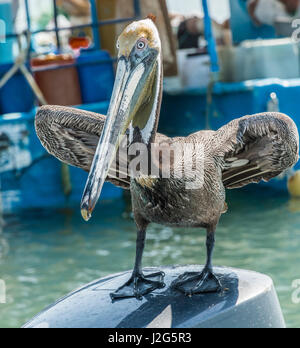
{"x":138,"y":40}
{"x":133,"y":105}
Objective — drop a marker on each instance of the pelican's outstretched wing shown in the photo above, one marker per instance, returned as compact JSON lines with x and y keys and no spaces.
{"x":255,"y":148}
{"x":72,"y":136}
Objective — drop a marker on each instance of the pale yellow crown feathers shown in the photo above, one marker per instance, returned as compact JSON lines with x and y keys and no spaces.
{"x":136,"y":30}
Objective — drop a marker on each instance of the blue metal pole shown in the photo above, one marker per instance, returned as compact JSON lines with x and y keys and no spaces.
{"x":56,"y":25}
{"x":28,"y":19}
{"x":212,"y":47}
{"x":94,"y":15}
{"x":82,"y":26}
{"x":137,"y":8}
{"x":28,"y":15}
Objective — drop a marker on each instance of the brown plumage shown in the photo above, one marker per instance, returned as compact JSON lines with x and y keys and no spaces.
{"x":269,"y":142}
{"x":246,"y":150}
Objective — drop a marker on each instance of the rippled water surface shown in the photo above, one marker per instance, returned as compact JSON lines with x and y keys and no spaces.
{"x":44,"y":255}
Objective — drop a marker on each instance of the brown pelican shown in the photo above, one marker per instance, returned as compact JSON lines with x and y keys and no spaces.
{"x":247,"y":150}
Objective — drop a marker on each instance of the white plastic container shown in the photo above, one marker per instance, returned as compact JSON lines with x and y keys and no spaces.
{"x":194,"y":70}
{"x":259,"y":59}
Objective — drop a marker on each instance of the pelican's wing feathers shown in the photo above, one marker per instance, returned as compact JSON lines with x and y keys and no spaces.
{"x":255,"y":148}
{"x":72,"y":136}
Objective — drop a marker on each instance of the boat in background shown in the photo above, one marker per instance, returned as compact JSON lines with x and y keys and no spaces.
{"x":259,"y":73}
{"x":189,"y":110}
{"x":30,"y":178}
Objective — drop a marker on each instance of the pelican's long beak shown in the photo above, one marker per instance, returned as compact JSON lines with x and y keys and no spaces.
{"x":131,"y":80}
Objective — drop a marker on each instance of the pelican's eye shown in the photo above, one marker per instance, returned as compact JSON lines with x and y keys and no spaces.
{"x":141,"y":44}
{"x":118,"y":45}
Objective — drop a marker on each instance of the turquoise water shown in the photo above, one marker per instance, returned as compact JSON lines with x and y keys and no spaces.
{"x":44,"y":255}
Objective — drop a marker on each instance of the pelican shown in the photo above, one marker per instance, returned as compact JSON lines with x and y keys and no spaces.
{"x":246,"y":150}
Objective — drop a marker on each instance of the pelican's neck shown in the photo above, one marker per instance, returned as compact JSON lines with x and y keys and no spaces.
{"x":147,"y":134}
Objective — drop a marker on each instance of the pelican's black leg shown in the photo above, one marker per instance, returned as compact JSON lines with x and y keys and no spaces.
{"x":139,"y":284}
{"x":204,"y":282}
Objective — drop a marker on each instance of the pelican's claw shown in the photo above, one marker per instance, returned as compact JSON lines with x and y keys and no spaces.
{"x":139,"y":286}
{"x":197,"y":283}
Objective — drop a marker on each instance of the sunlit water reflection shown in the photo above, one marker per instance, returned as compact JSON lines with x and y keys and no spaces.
{"x":44,"y":255}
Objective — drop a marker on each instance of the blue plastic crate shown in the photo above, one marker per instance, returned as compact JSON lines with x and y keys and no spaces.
{"x":16,"y":95}
{"x":96,"y":74}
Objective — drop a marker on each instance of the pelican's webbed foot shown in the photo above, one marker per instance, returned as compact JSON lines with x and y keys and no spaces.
{"x":193,"y":283}
{"x":139,"y":285}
